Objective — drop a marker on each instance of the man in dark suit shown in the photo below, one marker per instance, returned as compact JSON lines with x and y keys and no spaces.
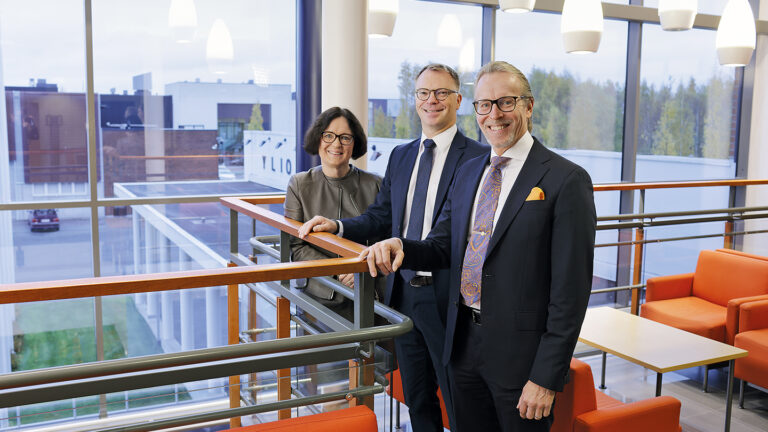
{"x":518,"y":233}
{"x":412,"y":194}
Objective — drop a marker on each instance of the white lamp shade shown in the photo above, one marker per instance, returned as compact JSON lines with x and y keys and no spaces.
{"x":736,"y":34}
{"x":581,"y":26}
{"x":449,"y":32}
{"x":516,"y":6}
{"x":219,"y":51}
{"x":182,"y":20}
{"x":382,"y":15}
{"x":677,"y":15}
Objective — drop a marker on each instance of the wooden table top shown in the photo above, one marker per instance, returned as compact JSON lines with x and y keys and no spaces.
{"x":648,"y":343}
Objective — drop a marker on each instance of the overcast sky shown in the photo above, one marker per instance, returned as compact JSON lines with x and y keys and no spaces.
{"x":45,"y":39}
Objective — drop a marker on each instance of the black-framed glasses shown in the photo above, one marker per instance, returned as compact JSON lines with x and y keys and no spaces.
{"x":344,"y":139}
{"x":504,"y":103}
{"x":441,"y":94}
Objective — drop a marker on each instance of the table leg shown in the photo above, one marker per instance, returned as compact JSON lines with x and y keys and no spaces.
{"x":658,"y":384}
{"x":729,"y":396}
{"x":602,"y":373}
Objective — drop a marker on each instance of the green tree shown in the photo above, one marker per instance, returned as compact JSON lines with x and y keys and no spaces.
{"x":257,"y":121}
{"x":382,"y":124}
{"x":591,"y":105}
{"x":675,"y":132}
{"x":468,"y":126}
{"x":717,"y":122}
{"x":407,"y":121}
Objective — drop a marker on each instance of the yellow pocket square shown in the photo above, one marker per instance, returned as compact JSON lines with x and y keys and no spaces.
{"x":536,"y":194}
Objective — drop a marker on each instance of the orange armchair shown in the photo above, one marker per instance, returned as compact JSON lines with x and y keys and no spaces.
{"x":582,"y":408}
{"x":707,"y":301}
{"x":356,"y":419}
{"x":753,"y":337}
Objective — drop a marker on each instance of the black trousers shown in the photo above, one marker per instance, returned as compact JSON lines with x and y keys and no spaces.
{"x":481,"y":404}
{"x":419,"y":356}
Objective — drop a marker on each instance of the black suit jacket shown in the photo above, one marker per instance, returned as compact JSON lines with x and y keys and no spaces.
{"x":537,"y":273}
{"x":385,"y":216}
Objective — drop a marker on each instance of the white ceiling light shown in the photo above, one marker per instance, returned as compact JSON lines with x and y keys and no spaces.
{"x":736,"y":34}
{"x":382,"y":15}
{"x":182,"y":20}
{"x":219,"y":51}
{"x":517,"y":6}
{"x":449,"y":32}
{"x":582,"y":26}
{"x":677,"y":15}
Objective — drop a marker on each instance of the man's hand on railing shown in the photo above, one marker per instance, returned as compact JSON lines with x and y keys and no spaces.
{"x":387,"y":255}
{"x":318,"y":224}
{"x":347,"y":279}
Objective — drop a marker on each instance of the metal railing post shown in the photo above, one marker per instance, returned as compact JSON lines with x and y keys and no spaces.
{"x":233,"y":338}
{"x":638,"y":259}
{"x":283,"y":375}
{"x":363,"y":374}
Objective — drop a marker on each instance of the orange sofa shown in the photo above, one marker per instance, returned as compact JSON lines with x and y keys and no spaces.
{"x":582,"y":408}
{"x":395,"y":390}
{"x":707,"y":301}
{"x":356,"y":419}
{"x":753,"y":337}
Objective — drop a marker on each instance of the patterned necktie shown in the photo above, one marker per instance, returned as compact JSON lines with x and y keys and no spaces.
{"x":419,"y":200}
{"x":471,"y":271}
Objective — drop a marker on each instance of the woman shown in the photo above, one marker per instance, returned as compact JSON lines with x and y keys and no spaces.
{"x":335,"y":189}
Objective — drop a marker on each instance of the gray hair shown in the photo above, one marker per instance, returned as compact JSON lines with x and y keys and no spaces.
{"x":438,"y":67}
{"x":504,"y":67}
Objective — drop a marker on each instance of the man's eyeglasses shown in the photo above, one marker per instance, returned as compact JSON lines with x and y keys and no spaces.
{"x":344,"y":139}
{"x":441,"y":94}
{"x":506,"y":104}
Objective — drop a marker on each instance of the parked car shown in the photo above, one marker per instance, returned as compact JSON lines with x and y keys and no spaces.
{"x":43,"y":220}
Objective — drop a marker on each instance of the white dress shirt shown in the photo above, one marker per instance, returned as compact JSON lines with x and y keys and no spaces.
{"x":517,"y":154}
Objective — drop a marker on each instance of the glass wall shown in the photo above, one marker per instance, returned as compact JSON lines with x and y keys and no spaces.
{"x":424,"y":33}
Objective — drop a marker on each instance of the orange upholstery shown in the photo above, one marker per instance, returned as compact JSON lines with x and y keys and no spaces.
{"x":699,"y":302}
{"x":356,"y":419}
{"x":753,"y":337}
{"x":580,"y":407}
{"x":395,"y":389}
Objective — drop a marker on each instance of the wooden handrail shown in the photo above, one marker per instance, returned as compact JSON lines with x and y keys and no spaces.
{"x":155,"y":282}
{"x":327,"y":241}
{"x":677,"y":184}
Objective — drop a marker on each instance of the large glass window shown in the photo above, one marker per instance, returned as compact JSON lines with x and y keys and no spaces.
{"x":424,"y":33}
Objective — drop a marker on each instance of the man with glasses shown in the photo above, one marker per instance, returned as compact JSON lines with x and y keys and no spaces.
{"x":518,"y":233}
{"x":412,"y":194}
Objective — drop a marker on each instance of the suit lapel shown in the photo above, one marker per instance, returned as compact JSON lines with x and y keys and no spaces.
{"x":532,"y":171}
{"x":401,"y":181}
{"x":449,"y":169}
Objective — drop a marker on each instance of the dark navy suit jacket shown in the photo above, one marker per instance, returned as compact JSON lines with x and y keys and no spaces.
{"x":537,"y":273}
{"x":385,"y":215}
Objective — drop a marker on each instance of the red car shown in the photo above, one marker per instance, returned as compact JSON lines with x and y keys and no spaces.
{"x":43,"y":220}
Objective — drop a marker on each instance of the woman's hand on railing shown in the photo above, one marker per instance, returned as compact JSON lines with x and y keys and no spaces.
{"x":347,"y":279}
{"x":318,"y":224}
{"x":387,"y":255}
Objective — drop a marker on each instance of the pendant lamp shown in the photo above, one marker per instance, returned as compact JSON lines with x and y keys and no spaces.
{"x":581,"y":26}
{"x":219,"y":51}
{"x":382,"y":15}
{"x":736,"y":34}
{"x":516,"y":6}
{"x":182,"y":20}
{"x":676,"y":15}
{"x":449,"y":32}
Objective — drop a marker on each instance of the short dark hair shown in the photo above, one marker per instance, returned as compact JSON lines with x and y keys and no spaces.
{"x":438,"y":67}
{"x":315,"y":132}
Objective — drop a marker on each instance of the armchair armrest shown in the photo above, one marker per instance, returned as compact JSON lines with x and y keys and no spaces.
{"x":669,"y":287}
{"x":753,"y":316}
{"x":660,"y":414}
{"x":732,"y":315}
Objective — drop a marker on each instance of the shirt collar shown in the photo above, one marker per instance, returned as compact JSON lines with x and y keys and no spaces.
{"x":520,"y":149}
{"x":442,"y":140}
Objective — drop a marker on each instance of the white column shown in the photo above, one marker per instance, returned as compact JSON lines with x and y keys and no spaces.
{"x":166,"y":297}
{"x":186,"y":303}
{"x":345,"y":59}
{"x":139,"y":298}
{"x":211,"y":316}
{"x":150,"y":244}
{"x":758,"y":143}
